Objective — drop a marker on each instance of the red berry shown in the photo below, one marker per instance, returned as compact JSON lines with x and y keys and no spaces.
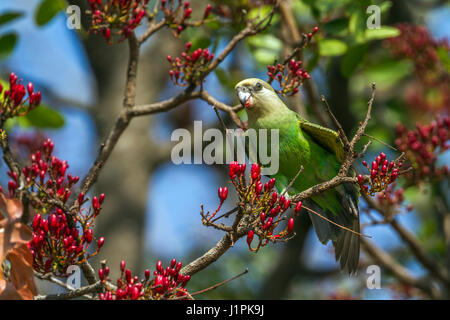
{"x":290,"y":226}
{"x":298,"y":206}
{"x":250,"y":237}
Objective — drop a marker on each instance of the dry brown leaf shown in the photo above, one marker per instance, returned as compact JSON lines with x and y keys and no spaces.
{"x":14,"y":237}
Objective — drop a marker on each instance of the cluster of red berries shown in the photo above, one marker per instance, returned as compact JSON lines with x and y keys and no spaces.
{"x":290,"y":78}
{"x":416,"y":43}
{"x":423,"y":145}
{"x":178,"y":12}
{"x":47,"y":175}
{"x":190,"y":67}
{"x":56,"y":245}
{"x":265,"y":207}
{"x":428,"y":98}
{"x":116,"y":16}
{"x":166,"y":283}
{"x":56,"y":242}
{"x":382,"y":173}
{"x":13,"y":103}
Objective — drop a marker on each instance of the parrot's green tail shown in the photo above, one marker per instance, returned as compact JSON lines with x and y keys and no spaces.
{"x":346,"y":244}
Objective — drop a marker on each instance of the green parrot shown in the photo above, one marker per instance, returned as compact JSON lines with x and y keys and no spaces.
{"x":320,"y":151}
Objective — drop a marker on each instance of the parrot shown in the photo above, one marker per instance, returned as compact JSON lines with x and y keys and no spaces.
{"x":320,"y":151}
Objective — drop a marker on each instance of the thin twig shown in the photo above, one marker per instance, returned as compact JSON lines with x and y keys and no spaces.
{"x":226,"y":214}
{"x":220,"y":118}
{"x":293,"y":180}
{"x":72,"y":294}
{"x":220,"y":283}
{"x":336,"y":224}
{"x":380,"y":141}
{"x":338,"y":125}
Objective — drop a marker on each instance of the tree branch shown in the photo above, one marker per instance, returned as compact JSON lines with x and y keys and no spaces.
{"x":401,"y":273}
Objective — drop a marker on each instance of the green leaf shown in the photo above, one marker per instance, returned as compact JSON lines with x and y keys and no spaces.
{"x":357,"y":23}
{"x":385,"y":6}
{"x":222,"y":76}
{"x":266,"y":41}
{"x":350,"y":61}
{"x":42,"y":117}
{"x":261,"y":12}
{"x":337,"y":27}
{"x":9,"y":16}
{"x":265,"y":56}
{"x":383,"y":33}
{"x":331,"y":47}
{"x":47,"y":10}
{"x":387,"y":73}
{"x":201,"y":42}
{"x":443,"y":57}
{"x":7,"y":44}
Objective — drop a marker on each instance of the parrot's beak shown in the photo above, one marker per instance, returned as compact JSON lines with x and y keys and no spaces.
{"x":245,"y":97}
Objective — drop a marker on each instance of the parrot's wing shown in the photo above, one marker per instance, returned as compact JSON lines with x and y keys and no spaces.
{"x":327,"y":138}
{"x":346,"y":244}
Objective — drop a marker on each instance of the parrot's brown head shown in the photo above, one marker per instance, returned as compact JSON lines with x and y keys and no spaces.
{"x":252,"y":92}
{"x":257,"y":96}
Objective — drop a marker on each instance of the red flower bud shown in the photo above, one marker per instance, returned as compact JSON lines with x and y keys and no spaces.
{"x":258,"y":187}
{"x":101,"y":274}
{"x":135,"y":293}
{"x":275,"y":211}
{"x":53,"y":221}
{"x":88,"y":236}
{"x":159,"y":266}
{"x":207,"y":11}
{"x":122,"y":265}
{"x":30,"y":88}
{"x":298,"y":206}
{"x":100,"y":242}
{"x":373,"y":174}
{"x":233,"y":169}
{"x":286,"y":204}
{"x":128,"y":276}
{"x":262,"y":216}
{"x":290,"y":226}
{"x":95,"y":204}
{"x":223,"y":193}
{"x":271,"y":183}
{"x":250,"y":237}
{"x":255,"y":171}
{"x":274,"y":196}
{"x":36,"y":221}
{"x":187,"y":13}
{"x":374,"y":165}
{"x":360,"y":179}
{"x":80,"y":198}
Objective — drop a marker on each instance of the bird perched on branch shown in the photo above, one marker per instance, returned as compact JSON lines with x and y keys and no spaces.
{"x":320,"y":151}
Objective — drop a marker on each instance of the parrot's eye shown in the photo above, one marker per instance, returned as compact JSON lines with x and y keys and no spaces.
{"x":258,"y":86}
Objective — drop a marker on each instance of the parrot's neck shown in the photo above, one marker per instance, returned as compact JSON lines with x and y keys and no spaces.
{"x":267,"y":118}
